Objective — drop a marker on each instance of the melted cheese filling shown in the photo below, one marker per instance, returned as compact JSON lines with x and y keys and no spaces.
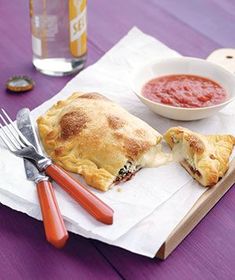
{"x":155,"y":157}
{"x":179,"y":153}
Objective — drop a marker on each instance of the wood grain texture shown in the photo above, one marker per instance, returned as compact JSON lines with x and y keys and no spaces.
{"x":150,"y":18}
{"x":204,"y":204}
{"x":201,"y":254}
{"x":205,"y":17}
{"x":16,"y":59}
{"x":25,"y":254}
{"x":195,"y":28}
{"x":207,"y":253}
{"x":227,"y":5}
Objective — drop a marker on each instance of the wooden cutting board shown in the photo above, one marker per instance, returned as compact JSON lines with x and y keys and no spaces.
{"x":198,"y":211}
{"x":226,"y":58}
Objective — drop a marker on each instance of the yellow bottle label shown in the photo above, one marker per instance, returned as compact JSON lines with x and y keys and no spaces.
{"x":78,"y":27}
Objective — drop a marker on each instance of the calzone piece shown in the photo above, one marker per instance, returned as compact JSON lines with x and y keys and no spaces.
{"x":91,"y":135}
{"x":206,"y":158}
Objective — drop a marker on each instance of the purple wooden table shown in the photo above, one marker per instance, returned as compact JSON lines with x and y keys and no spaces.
{"x":194,"y":28}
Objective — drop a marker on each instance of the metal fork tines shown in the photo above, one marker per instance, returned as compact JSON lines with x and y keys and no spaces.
{"x":20,"y":146}
{"x":11,"y":136}
{"x":17,"y":143}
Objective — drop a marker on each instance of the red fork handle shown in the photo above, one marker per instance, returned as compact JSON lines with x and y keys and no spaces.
{"x":54,"y":227}
{"x":91,"y":203}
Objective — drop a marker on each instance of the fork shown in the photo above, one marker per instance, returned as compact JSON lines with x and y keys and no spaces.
{"x":21,"y":147}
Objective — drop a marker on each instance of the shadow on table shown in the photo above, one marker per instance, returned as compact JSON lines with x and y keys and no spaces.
{"x":25,"y":254}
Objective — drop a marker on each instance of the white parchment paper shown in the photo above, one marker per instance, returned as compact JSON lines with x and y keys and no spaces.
{"x":149,"y":206}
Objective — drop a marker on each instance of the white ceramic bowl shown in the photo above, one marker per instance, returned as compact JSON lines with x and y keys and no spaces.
{"x":183,"y":65}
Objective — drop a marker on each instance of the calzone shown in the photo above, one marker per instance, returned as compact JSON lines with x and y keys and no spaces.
{"x":206,"y":158}
{"x":95,"y":137}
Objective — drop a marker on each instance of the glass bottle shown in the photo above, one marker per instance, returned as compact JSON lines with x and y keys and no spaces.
{"x":59,"y":35}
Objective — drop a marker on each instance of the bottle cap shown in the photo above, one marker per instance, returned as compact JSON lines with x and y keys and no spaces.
{"x":20,"y":83}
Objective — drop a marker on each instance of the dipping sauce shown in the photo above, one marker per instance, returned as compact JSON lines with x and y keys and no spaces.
{"x":187,"y":91}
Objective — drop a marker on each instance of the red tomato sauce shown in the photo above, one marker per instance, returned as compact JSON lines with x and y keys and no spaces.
{"x":187,"y":91}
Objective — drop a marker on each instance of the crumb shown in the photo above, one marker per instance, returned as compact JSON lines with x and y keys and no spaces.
{"x":119,"y":189}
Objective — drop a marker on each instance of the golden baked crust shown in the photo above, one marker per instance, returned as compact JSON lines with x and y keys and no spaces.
{"x":91,"y":135}
{"x":206,"y":158}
